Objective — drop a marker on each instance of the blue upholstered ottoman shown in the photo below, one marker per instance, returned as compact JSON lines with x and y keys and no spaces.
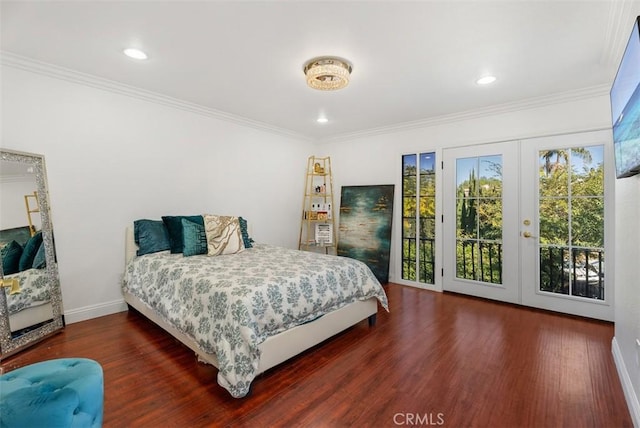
{"x":57,"y":393}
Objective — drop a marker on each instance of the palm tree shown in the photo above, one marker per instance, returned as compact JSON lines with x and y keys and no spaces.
{"x":562,"y":155}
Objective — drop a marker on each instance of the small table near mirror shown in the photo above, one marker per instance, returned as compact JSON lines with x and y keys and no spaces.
{"x":30,"y":297}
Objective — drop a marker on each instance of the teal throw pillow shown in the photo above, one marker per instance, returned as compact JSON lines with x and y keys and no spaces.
{"x":174,"y":228}
{"x":29,"y":252}
{"x":11,"y":258}
{"x":40,"y":260}
{"x":151,"y":236}
{"x":248,"y":242}
{"x":194,"y":238}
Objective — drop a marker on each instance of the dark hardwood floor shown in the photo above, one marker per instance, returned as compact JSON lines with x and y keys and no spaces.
{"x":436,"y":359}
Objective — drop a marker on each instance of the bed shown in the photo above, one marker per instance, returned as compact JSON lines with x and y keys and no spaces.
{"x":247,"y":312}
{"x":28,"y":296}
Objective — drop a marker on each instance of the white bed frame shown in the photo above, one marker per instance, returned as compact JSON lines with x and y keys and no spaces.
{"x":29,"y":317}
{"x":276,"y":349}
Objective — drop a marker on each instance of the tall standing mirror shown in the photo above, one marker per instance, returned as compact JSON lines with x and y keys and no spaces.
{"x":31,"y":300}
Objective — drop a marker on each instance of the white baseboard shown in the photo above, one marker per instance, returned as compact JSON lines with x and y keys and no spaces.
{"x":94,"y":311}
{"x":627,"y":386}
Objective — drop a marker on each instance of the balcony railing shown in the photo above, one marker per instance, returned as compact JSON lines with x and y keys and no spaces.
{"x":579,"y":272}
{"x":575,"y":272}
{"x":425,"y":271}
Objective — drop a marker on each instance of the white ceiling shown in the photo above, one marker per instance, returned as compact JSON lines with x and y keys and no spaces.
{"x":412,"y":61}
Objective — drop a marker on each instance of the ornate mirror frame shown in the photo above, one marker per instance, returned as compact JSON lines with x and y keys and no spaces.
{"x":8,"y":344}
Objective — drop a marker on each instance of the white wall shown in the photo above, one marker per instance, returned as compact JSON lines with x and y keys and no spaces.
{"x":114,"y":158}
{"x":627,"y":279}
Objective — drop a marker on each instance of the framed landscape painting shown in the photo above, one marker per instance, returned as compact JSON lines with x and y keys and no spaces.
{"x":366,"y":213}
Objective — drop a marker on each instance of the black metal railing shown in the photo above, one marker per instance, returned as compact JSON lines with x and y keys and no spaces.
{"x":424,"y":272}
{"x":574,"y":272}
{"x":479,"y":260}
{"x":563,"y":270}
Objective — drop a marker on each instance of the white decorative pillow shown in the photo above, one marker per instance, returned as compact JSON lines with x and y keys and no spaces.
{"x":223,"y":234}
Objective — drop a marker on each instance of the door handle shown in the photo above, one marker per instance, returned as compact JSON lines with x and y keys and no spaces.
{"x":528,"y":235}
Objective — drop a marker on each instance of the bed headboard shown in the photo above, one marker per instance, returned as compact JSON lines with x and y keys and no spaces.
{"x":130,"y":246}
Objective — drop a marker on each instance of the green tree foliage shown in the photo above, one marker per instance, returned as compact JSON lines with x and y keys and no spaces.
{"x":422,"y":203}
{"x":571,"y":216}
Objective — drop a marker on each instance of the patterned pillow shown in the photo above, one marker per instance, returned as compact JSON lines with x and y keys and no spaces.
{"x":194,"y":238}
{"x":223,"y":235}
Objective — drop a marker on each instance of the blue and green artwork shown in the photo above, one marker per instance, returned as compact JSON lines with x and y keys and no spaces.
{"x":366,"y":213}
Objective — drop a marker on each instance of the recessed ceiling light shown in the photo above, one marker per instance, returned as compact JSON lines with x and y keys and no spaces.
{"x":135,"y":53}
{"x":485,"y":80}
{"x":322,"y":120}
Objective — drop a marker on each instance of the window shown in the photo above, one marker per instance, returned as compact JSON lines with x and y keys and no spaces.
{"x":418,"y":217}
{"x":479,"y":218}
{"x":571,"y":212}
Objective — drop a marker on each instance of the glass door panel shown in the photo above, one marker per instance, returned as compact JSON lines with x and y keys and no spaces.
{"x":571,"y":219}
{"x":481,"y":238}
{"x":566,"y":230}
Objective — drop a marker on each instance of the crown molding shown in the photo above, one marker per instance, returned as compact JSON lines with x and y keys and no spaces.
{"x":528,"y":104}
{"x":50,"y":70}
{"x":28,"y":64}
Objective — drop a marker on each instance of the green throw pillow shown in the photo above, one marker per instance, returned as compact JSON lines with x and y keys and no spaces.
{"x":11,"y":258}
{"x":174,"y":227}
{"x":194,"y":238}
{"x":151,"y":236}
{"x":246,"y":239}
{"x":40,"y":260}
{"x":29,"y":252}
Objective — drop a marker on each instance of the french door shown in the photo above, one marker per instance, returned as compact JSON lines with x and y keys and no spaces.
{"x":525,"y":222}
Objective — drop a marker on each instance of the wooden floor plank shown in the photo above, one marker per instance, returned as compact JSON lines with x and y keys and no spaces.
{"x":436,"y":358}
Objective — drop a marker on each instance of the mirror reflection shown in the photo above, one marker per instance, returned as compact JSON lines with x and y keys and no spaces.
{"x":30,"y":304}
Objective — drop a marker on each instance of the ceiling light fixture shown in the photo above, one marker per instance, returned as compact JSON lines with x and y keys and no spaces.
{"x":135,"y":53}
{"x":327,"y":73}
{"x":486,"y":80}
{"x":322,"y":119}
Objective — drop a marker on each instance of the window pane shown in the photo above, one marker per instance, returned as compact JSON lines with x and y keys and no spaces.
{"x":490,"y":178}
{"x":466,"y":177}
{"x":427,"y":228}
{"x":490,"y":219}
{"x":428,"y":184}
{"x":409,"y":185}
{"x":587,"y":167}
{"x":409,"y":228}
{"x":427,"y":207}
{"x":466,"y":218}
{"x":554,"y":270}
{"x":587,"y":222}
{"x":409,"y":165}
{"x":554,"y":226}
{"x":466,"y":259}
{"x":409,"y":206}
{"x":427,"y":162}
{"x":554,"y":180}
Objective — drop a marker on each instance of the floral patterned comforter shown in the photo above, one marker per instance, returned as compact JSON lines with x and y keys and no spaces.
{"x":34,"y":290}
{"x":230,"y":304}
